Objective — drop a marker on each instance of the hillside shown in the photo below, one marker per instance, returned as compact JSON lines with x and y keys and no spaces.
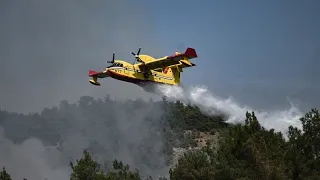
{"x":161,"y":139}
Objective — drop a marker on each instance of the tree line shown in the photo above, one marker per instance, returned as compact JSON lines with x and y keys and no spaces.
{"x":245,"y":151}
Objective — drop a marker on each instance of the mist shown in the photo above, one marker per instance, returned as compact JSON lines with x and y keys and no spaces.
{"x":47,"y":48}
{"x":43,"y":145}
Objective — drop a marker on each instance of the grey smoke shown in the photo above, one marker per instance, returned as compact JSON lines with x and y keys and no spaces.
{"x":29,"y":159}
{"x":128,"y":132}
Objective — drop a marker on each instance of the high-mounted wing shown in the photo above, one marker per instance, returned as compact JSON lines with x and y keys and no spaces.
{"x":95,"y":75}
{"x":177,"y":59}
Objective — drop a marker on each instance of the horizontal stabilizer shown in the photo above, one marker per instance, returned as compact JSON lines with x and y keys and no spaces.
{"x":186,"y":62}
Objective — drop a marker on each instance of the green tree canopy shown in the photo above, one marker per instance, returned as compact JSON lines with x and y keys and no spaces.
{"x":4,"y":175}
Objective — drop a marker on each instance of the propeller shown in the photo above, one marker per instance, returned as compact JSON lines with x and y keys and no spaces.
{"x":136,"y":56}
{"x":112,"y":58}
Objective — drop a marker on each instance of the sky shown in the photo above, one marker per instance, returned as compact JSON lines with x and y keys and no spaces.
{"x":260,"y":52}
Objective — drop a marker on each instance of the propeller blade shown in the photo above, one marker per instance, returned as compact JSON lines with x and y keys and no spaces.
{"x":139,"y":51}
{"x":136,"y":56}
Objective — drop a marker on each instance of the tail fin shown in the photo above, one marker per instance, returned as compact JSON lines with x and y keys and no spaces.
{"x":190,"y":53}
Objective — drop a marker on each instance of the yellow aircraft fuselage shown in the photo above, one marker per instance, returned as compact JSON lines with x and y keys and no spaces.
{"x":132,"y":73}
{"x":142,"y":75}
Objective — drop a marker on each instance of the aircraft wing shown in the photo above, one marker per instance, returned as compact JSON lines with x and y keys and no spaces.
{"x":177,"y":59}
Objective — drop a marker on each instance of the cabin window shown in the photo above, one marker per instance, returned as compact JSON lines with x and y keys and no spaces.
{"x":116,"y":65}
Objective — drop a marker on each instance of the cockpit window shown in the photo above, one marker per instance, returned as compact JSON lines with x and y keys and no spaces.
{"x":116,"y":65}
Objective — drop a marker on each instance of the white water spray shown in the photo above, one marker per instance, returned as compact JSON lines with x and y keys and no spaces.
{"x":212,"y":105}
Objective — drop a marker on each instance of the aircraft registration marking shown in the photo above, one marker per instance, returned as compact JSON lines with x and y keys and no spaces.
{"x":119,"y":70}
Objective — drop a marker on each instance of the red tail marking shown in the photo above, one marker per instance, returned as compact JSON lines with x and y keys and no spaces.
{"x":191,"y":53}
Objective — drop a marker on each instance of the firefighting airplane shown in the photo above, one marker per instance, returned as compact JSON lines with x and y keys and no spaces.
{"x":148,"y":70}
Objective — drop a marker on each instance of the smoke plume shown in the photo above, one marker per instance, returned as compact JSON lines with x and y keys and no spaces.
{"x":210,"y":104}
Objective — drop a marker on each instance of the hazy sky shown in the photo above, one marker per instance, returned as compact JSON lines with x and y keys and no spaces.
{"x":260,"y":52}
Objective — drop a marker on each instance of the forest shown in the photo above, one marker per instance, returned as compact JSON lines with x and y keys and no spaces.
{"x":105,"y":139}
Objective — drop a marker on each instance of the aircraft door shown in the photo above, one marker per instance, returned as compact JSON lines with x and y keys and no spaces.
{"x":126,"y":70}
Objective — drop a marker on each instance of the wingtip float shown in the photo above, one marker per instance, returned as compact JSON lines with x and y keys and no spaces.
{"x":146,"y":69}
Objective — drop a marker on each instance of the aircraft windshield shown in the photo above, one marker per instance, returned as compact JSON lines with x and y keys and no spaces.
{"x":116,"y":65}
